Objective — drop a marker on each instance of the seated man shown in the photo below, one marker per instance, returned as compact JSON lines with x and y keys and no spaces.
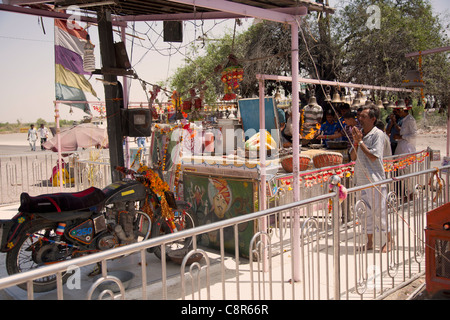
{"x":330,"y":129}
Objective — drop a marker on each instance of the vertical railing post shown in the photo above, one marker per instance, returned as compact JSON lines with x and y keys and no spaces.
{"x":334,"y":205}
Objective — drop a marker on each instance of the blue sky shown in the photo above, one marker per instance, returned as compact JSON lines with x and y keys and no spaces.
{"x":27,"y":62}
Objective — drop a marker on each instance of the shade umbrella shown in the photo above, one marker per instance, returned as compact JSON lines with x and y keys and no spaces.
{"x":84,"y":135}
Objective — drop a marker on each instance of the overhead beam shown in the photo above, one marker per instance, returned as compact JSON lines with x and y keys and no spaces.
{"x":245,"y":10}
{"x":204,"y":15}
{"x":53,"y":14}
{"x":425,"y":52}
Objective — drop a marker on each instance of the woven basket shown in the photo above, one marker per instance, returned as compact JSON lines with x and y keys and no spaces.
{"x":327,"y":159}
{"x":303,"y":163}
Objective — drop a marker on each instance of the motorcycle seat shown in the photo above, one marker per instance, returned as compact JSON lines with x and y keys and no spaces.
{"x":61,"y":202}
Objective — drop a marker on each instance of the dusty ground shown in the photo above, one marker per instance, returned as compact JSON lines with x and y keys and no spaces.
{"x":413,"y":291}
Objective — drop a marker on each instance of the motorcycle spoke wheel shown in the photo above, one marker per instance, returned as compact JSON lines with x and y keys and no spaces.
{"x":34,"y":250}
{"x":183,"y":221}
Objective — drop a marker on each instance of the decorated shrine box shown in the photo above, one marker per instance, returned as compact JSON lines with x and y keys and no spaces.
{"x":218,"y":193}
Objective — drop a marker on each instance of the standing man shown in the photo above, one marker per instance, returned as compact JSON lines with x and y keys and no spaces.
{"x":368,"y":151}
{"x":406,"y":139}
{"x":32,"y":137}
{"x":43,"y":134}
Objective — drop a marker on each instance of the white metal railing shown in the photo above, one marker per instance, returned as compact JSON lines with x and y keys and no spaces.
{"x":329,"y":263}
{"x":34,"y":173}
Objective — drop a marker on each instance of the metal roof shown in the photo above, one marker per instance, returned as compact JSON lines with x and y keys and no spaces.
{"x":128,"y":10}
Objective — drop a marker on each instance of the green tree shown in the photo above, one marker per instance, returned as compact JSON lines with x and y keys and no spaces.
{"x":337,"y":47}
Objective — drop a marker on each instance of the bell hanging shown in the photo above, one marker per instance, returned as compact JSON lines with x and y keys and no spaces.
{"x":336,"y":98}
{"x":379,"y":104}
{"x":413,"y":80}
{"x":390,"y":104}
{"x":401,"y":104}
{"x":327,"y":94}
{"x":312,"y":101}
{"x":356,"y":103}
{"x":385,"y":101}
{"x":347,"y":100}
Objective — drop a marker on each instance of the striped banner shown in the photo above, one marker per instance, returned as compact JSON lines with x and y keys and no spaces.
{"x":70,"y":83}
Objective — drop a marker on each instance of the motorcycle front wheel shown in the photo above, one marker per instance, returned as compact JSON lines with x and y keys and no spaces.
{"x":183,"y":220}
{"x":36,"y":249}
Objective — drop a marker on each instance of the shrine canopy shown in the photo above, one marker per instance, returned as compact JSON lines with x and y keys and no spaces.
{"x":158,"y":10}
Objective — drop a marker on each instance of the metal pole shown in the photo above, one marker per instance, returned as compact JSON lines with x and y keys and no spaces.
{"x":336,"y":245}
{"x":295,"y":149}
{"x":262,"y":160}
{"x":58,"y":137}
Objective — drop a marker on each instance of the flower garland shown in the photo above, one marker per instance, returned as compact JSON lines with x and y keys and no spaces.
{"x":152,"y":181}
{"x":401,"y":163}
{"x":345,"y":171}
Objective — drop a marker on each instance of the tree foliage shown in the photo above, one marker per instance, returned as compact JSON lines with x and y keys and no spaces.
{"x":337,"y":47}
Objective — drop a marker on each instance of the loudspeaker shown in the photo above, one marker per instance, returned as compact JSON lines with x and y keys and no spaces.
{"x":173,"y":31}
{"x":136,"y":122}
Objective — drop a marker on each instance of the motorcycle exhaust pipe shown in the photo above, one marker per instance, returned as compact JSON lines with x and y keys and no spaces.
{"x":121,"y":234}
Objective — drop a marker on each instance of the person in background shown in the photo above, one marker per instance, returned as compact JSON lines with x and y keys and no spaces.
{"x":406,"y":143}
{"x":367,"y":152}
{"x":393,"y":125}
{"x":43,"y":135}
{"x":387,"y":142}
{"x":406,"y":138}
{"x":330,"y":129}
{"x":351,"y":121}
{"x":32,"y":137}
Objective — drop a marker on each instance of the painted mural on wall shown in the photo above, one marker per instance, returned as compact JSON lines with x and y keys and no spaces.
{"x":218,"y":198}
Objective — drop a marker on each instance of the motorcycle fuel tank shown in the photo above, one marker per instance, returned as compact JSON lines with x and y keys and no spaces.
{"x":122,"y":191}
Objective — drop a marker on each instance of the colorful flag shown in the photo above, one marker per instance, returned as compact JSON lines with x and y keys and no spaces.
{"x":70,"y":83}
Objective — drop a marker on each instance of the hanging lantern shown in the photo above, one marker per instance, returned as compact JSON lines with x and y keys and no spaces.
{"x":88,"y":56}
{"x":231,"y":77}
{"x":413,"y":80}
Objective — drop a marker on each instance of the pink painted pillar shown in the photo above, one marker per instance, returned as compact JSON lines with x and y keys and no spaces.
{"x":295,"y":152}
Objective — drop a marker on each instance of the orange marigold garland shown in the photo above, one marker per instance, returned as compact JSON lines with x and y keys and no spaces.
{"x":159,"y":187}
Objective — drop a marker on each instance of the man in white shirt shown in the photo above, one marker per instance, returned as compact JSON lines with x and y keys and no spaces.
{"x":32,"y":137}
{"x":408,"y":132}
{"x":43,"y":135}
{"x":367,"y":152}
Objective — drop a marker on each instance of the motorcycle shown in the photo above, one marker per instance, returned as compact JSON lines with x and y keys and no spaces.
{"x":51,"y":228}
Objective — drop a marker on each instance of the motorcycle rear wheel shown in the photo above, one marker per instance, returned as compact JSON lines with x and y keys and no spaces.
{"x":182,"y":222}
{"x":33,"y":250}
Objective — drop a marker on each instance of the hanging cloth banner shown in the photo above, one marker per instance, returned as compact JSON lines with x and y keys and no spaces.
{"x":70,"y":83}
